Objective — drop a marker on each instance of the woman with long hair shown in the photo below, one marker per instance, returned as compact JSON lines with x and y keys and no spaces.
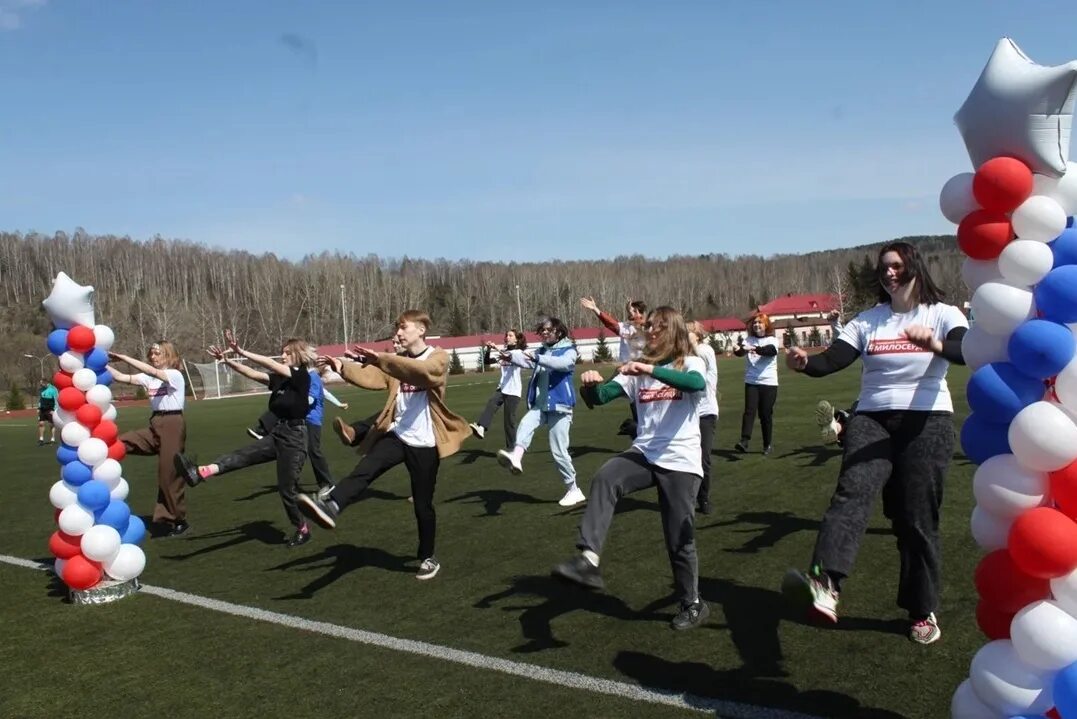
{"x":667,"y":385}
{"x":166,"y":434}
{"x":898,"y":443}
{"x":508,"y":391}
{"x":708,"y":409}
{"x":286,"y":443}
{"x":760,"y":352}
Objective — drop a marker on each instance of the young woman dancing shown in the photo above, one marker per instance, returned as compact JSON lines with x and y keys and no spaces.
{"x":760,"y":352}
{"x":708,"y":410}
{"x":508,"y":390}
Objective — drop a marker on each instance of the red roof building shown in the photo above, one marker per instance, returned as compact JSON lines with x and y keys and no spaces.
{"x":799,"y":306}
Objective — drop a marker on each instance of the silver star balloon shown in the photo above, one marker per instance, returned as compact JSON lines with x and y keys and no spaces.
{"x":1020,"y":109}
{"x":70,"y":303}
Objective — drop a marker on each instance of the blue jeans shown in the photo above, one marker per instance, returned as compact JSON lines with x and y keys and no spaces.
{"x":559,"y":424}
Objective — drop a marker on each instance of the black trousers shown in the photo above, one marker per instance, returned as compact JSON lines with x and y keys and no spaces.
{"x":318,"y":462}
{"x":759,"y":398}
{"x":903,"y":455}
{"x":422,"y":464}
{"x":511,"y":402}
{"x":706,"y":443}
{"x":286,"y":443}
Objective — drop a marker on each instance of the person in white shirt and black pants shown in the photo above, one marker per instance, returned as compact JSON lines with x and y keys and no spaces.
{"x":708,"y":410}
{"x":760,"y":352}
{"x":508,"y":391}
{"x":899,"y":443}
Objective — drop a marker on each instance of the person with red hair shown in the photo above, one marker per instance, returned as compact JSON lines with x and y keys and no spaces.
{"x":760,"y":351}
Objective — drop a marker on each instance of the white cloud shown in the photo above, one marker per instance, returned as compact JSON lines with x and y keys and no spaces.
{"x":11,"y":12}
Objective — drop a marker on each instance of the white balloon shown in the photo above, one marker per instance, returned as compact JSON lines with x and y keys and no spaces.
{"x":84,"y":378}
{"x":103,"y":337}
{"x":69,"y":302}
{"x":999,"y":308}
{"x":1065,"y":192}
{"x":966,"y":705}
{"x":61,"y":416}
{"x":120,"y":490}
{"x":1045,"y":635}
{"x":58,"y":567}
{"x":75,"y":519}
{"x":1064,"y":589}
{"x":1038,"y":219}
{"x":92,"y":451}
{"x":100,"y":543}
{"x":1066,"y":385}
{"x":74,"y":434}
{"x":62,"y":495}
{"x":1043,"y":437}
{"x":71,"y":361}
{"x":976,"y":272}
{"x":979,"y":348}
{"x":108,"y":471}
{"x":989,"y":531}
{"x":99,"y":395}
{"x":956,"y":198}
{"x":1004,"y":682}
{"x":1025,"y":262}
{"x":110,"y":413}
{"x":1005,"y":488}
{"x":127,"y":564}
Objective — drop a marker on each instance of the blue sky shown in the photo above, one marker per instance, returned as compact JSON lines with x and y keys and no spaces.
{"x":495,"y":130}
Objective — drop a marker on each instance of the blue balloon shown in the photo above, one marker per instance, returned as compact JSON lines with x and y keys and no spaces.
{"x":998,"y":391}
{"x":116,"y":515}
{"x":96,"y":359}
{"x":93,"y":495}
{"x":1069,"y":221}
{"x":66,"y":454}
{"x":1065,"y":691}
{"x":76,"y":473}
{"x":1041,"y":349}
{"x":1056,"y":295}
{"x":57,"y":342}
{"x":1064,"y":247}
{"x":104,"y":377}
{"x":135,"y":532}
{"x":981,"y":439}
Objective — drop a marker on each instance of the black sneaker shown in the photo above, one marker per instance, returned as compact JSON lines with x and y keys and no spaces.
{"x":318,"y":509}
{"x":741,"y":447}
{"x":691,"y":615}
{"x":767,"y":450}
{"x":705,"y":507}
{"x":187,"y":469}
{"x":41,"y":443}
{"x":580,"y":571}
{"x":301,"y":537}
{"x":177,"y":529}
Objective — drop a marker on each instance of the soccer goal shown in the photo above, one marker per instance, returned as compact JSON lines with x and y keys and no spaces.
{"x":216,"y":380}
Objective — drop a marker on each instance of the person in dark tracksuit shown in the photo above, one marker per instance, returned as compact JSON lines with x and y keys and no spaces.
{"x":760,"y":352}
{"x":508,"y":391}
{"x":289,"y":387}
{"x":898,"y":443}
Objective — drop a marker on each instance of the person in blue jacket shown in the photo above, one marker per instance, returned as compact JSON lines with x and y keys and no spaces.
{"x":551,"y":397}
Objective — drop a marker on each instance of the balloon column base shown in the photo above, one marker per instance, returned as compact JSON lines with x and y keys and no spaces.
{"x":105,"y":592}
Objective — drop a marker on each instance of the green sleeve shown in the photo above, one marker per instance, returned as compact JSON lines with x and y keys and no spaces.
{"x":595,"y":395}
{"x":686,"y":381}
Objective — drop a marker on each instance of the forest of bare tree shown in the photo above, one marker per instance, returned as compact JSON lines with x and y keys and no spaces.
{"x":187,"y":292}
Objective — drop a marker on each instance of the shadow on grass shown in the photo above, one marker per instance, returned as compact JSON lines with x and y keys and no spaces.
{"x":470,"y":456}
{"x":772,"y":527}
{"x":338,"y":561}
{"x":817,"y":454}
{"x":260,"y":492}
{"x":555,"y":599}
{"x":261,"y":531}
{"x":493,"y":499}
{"x":578,"y":451}
{"x":730,"y":455}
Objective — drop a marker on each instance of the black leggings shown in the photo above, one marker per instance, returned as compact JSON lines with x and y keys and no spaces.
{"x":759,"y":398}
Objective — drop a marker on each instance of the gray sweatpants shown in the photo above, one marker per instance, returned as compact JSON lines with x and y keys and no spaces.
{"x":630,"y":472}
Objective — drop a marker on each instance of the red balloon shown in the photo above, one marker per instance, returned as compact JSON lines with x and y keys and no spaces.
{"x":88,"y":415}
{"x":993,"y":623}
{"x":71,"y":398}
{"x":106,"y":431}
{"x":117,"y":451}
{"x":62,"y":380}
{"x":1052,"y":713}
{"x":64,"y":546}
{"x":81,"y":573}
{"x":1064,"y":490}
{"x":1001,"y":185}
{"x":982,"y":235}
{"x":1004,"y":587}
{"x":81,"y":339}
{"x":1043,"y":543}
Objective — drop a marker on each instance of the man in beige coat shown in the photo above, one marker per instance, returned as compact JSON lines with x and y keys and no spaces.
{"x":415,"y":427}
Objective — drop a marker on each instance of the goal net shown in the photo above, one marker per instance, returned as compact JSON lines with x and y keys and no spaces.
{"x":216,"y":380}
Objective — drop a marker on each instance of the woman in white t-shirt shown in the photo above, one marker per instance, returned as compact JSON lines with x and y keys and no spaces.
{"x":708,"y":410}
{"x":898,"y":443}
{"x":667,"y":385}
{"x":760,"y":353}
{"x":166,"y":434}
{"x":508,"y":391}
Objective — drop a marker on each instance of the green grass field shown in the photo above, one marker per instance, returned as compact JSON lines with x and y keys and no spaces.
{"x":498,"y":536}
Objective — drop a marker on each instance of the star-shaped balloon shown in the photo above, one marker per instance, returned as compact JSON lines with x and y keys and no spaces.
{"x":1020,"y":109}
{"x":69,"y":303}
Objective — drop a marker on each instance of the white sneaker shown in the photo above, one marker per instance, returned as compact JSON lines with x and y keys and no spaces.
{"x":508,"y":459}
{"x":478,"y":430}
{"x":572,"y":497}
{"x":324,"y":492}
{"x":831,"y":431}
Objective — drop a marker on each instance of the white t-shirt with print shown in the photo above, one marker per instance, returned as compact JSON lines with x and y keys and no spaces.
{"x":709,"y":404}
{"x":757,"y":368}
{"x":164,"y":396}
{"x":632,"y":341}
{"x":897,"y":374}
{"x":668,"y":428}
{"x":411,"y":419}
{"x":510,"y":383}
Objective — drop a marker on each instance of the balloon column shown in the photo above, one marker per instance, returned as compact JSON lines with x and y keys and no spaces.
{"x":98,"y":537}
{"x":1015,"y":224}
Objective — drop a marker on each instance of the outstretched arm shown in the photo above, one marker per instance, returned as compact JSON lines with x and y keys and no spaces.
{"x":138,"y":365}
{"x":427,"y":373}
{"x":597,"y":391}
{"x":332,"y":399}
{"x":366,"y":377}
{"x":249,"y":372}
{"x":268,"y":362}
{"x":561,"y":363}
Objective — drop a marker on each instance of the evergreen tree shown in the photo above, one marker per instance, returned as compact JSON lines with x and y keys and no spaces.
{"x":602,"y":350}
{"x":455,"y":365}
{"x":15,"y":400}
